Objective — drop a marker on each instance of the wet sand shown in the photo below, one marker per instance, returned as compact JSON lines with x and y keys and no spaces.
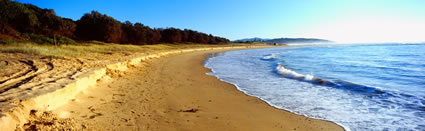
{"x":174,"y":93}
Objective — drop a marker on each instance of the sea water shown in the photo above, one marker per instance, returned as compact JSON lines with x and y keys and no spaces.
{"x":360,"y":87}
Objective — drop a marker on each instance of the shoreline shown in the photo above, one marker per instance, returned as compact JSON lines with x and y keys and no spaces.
{"x":175,"y":108}
{"x":265,"y":101}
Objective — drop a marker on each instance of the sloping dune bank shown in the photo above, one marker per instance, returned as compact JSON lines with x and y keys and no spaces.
{"x":171,"y":93}
{"x":32,"y":85}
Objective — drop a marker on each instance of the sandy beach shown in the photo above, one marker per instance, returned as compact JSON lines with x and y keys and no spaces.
{"x":174,"y":93}
{"x":163,"y":65}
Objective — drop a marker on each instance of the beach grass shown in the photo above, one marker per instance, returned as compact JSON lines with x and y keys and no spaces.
{"x":95,"y":48}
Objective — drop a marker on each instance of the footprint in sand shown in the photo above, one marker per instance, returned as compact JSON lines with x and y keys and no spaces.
{"x":95,"y":115}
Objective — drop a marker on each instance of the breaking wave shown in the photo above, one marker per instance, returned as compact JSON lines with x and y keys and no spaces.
{"x":270,"y":57}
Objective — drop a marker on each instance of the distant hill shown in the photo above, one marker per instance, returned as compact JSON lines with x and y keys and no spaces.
{"x":255,"y":39}
{"x":297,"y":40}
{"x":284,"y":40}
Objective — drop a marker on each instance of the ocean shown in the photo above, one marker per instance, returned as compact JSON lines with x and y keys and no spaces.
{"x":360,"y":87}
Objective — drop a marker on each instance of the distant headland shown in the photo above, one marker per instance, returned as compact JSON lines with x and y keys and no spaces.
{"x":284,"y":40}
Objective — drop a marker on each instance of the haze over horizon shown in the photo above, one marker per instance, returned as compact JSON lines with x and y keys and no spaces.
{"x":340,"y":21}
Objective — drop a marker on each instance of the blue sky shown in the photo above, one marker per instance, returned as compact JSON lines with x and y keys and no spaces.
{"x":338,"y":20}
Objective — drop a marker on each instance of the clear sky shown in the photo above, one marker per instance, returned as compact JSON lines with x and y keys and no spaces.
{"x":338,"y":20}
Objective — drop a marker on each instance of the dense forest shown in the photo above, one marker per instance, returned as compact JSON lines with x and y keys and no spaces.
{"x":31,"y":23}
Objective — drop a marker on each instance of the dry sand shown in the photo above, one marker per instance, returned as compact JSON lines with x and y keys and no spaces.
{"x":35,"y":79}
{"x":32,"y":84}
{"x":171,"y":93}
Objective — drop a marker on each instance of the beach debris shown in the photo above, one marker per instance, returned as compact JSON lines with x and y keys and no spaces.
{"x":46,"y":120}
{"x":190,"y":110}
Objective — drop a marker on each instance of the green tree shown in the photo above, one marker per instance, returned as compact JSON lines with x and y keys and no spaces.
{"x":97,"y":26}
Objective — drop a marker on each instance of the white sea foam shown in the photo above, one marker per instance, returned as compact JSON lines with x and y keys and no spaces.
{"x":309,"y":77}
{"x":290,"y":73}
{"x":269,"y":57}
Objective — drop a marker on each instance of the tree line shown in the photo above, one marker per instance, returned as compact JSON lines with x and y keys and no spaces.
{"x":29,"y":22}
